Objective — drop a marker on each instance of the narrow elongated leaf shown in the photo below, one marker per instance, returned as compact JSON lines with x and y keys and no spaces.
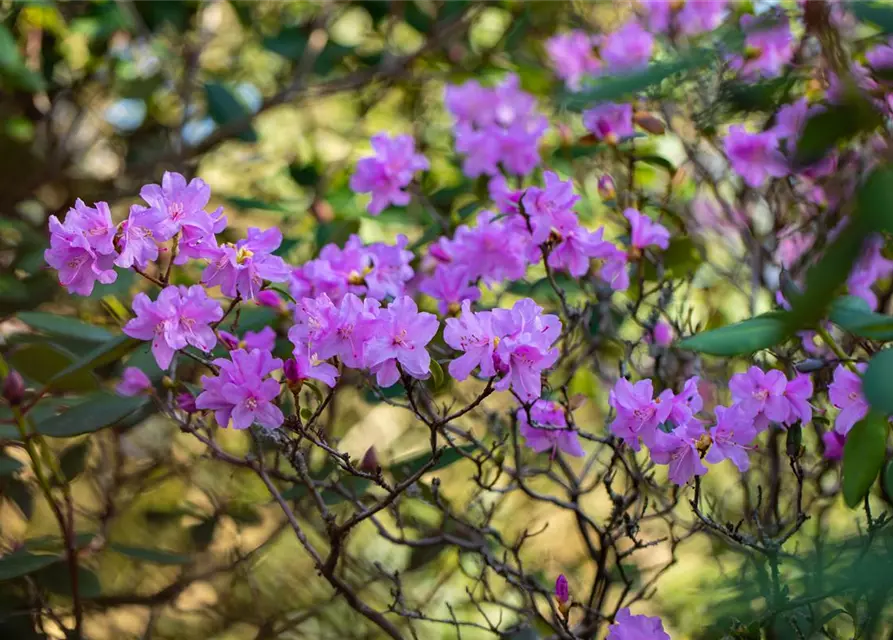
{"x":64,"y":326}
{"x":405,"y":468}
{"x":43,"y":362}
{"x":616,"y":88}
{"x":288,"y":43}
{"x":102,"y":355}
{"x":57,"y":579}
{"x":21,"y":563}
{"x":855,"y":316}
{"x":155,"y":556}
{"x":877,"y":381}
{"x":101,"y":410}
{"x":880,"y":15}
{"x":741,"y":338}
{"x":863,"y":456}
{"x":224,"y":108}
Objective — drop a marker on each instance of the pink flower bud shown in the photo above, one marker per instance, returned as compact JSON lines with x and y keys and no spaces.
{"x":370,"y":461}
{"x":606,"y":188}
{"x":228,"y":339}
{"x":663,"y":334}
{"x":291,"y":371}
{"x":186,"y":402}
{"x":269,"y":298}
{"x":14,"y":388}
{"x":562,"y":590}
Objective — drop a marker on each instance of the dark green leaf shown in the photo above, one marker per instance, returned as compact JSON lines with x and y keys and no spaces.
{"x":329,"y":57}
{"x":12,"y":66}
{"x":99,"y":411}
{"x":63,"y":326}
{"x":20,"y":494}
{"x":21,"y":563}
{"x":43,"y":362}
{"x":57,"y":579}
{"x":256,"y":203}
{"x":425,"y":555}
{"x":887,"y":479}
{"x":352,"y":485}
{"x":108,"y":352}
{"x":405,"y":468}
{"x":742,"y":338}
{"x":617,"y":88}
{"x":9,"y":466}
{"x":306,"y":175}
{"x":855,"y":316}
{"x":880,"y":15}
{"x":288,"y":43}
{"x":863,"y":456}
{"x":74,"y":459}
{"x":875,"y":197}
{"x":877,"y":381}
{"x":224,"y":108}
{"x":416,"y":18}
{"x":155,"y":556}
{"x":836,"y":124}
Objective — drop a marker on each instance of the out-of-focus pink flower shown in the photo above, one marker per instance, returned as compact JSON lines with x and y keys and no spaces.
{"x":545,"y":205}
{"x":610,"y":122}
{"x":629,"y":627}
{"x":133,"y":382}
{"x":754,"y":156}
{"x":645,"y":233}
{"x":386,"y":174}
{"x":699,"y":16}
{"x":629,"y":47}
{"x":450,"y":287}
{"x":506,"y":200}
{"x":573,"y":57}
{"x":606,"y":187}
{"x":661,"y":335}
{"x":547,"y":429}
{"x":268,"y":298}
{"x":871,"y":267}
{"x":834,"y":443}
{"x":768,"y":46}
{"x":880,"y":57}
{"x":792,"y":244}
{"x":845,"y":393}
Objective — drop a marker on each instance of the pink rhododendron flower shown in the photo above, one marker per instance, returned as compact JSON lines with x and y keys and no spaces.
{"x":573,"y":57}
{"x":305,"y":365}
{"x":661,"y":335}
{"x":871,"y":267}
{"x":506,"y":200}
{"x":133,"y":382}
{"x":400,"y":336}
{"x":268,"y":298}
{"x":546,"y":205}
{"x":481,"y":250}
{"x":180,"y":316}
{"x":562,"y":590}
{"x":834,"y":443}
{"x":639,"y":413}
{"x":769,"y":46}
{"x":180,"y":205}
{"x":73,"y":253}
{"x":754,"y":156}
{"x":242,"y":392}
{"x":629,"y":47}
{"x":798,"y":392}
{"x":733,"y":432}
{"x":347,"y":330}
{"x":576,"y":246}
{"x":679,"y":450}
{"x":472,"y":333}
{"x":137,"y":243}
{"x":547,"y":429}
{"x":610,"y":122}
{"x":645,"y":233}
{"x":613,"y":269}
{"x":845,"y":393}
{"x":880,"y":57}
{"x":760,"y":396}
{"x":687,"y":404}
{"x":242,"y":269}
{"x":450,"y":286}
{"x":629,"y":627}
{"x":386,"y":174}
{"x":525,"y":349}
{"x":699,"y":16}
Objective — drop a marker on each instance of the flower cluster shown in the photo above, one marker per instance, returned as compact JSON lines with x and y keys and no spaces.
{"x":547,"y":429}
{"x":668,"y":424}
{"x":376,"y":271}
{"x":386,"y":174}
{"x":242,"y":392}
{"x":495,"y":127}
{"x":512,"y":345}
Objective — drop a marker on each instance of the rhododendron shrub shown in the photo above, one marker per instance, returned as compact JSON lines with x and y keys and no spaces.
{"x":544,"y":358}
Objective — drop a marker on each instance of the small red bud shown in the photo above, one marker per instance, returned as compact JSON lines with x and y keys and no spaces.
{"x":14,"y":388}
{"x":369,"y":462}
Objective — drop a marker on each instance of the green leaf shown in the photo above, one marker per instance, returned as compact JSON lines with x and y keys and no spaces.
{"x":863,"y":456}
{"x":20,"y":494}
{"x":887,"y":479}
{"x":438,"y":377}
{"x":99,"y":411}
{"x":416,"y":18}
{"x":155,"y":556}
{"x":875,"y":197}
{"x":224,"y":108}
{"x":43,"y":362}
{"x":63,"y":326}
{"x":616,"y":88}
{"x":13,"y":67}
{"x":877,"y":381}
{"x":9,"y":466}
{"x":741,"y":338}
{"x":351,"y":484}
{"x":855,"y":316}
{"x":288,"y":43}
{"x":57,"y":579}
{"x":74,"y":459}
{"x":405,"y":468}
{"x":104,"y":354}
{"x":306,"y":175}
{"x":256,"y":203}
{"x":836,"y":124}
{"x":21,"y":563}
{"x":880,"y":15}
{"x":680,"y":260}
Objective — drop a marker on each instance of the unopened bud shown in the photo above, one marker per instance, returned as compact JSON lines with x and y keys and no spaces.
{"x":168,"y":383}
{"x":369,"y":463}
{"x":292,"y":375}
{"x":703,"y":444}
{"x":649,"y":123}
{"x":562,"y":595}
{"x":229,"y":340}
{"x":186,"y":402}
{"x":268,"y":298}
{"x":322,"y":211}
{"x":14,"y":388}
